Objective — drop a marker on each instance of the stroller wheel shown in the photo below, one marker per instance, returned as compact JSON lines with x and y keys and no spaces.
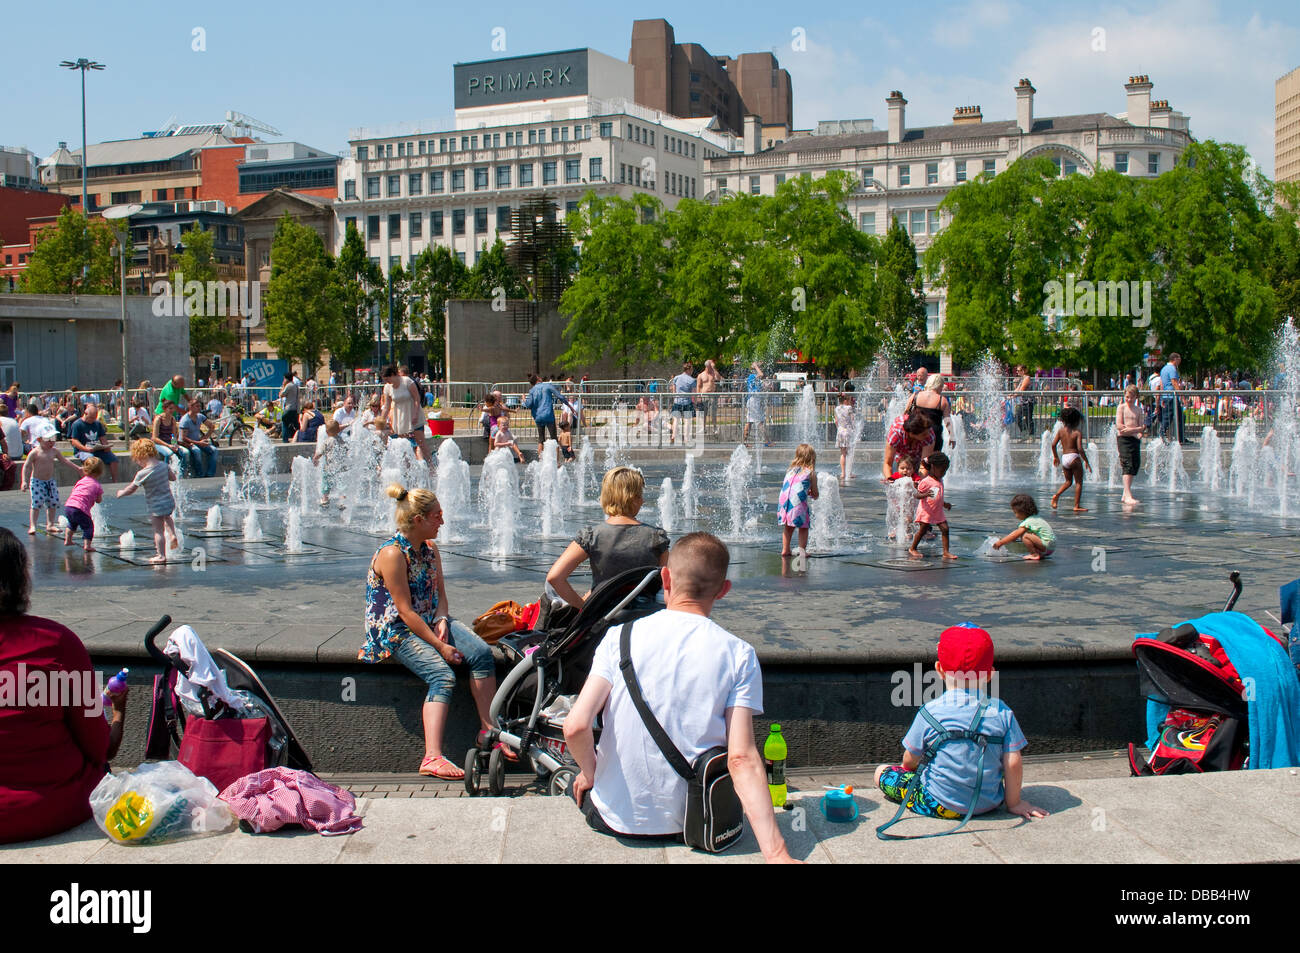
{"x":497,"y":773}
{"x":473,"y":772}
{"x":561,"y":779}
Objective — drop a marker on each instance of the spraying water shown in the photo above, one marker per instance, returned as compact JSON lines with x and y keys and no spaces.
{"x":688,"y":488}
{"x":498,"y":494}
{"x":214,"y":517}
{"x":453,"y":491}
{"x":737,"y":480}
{"x":99,"y":522}
{"x":991,"y":403}
{"x":586,"y":461}
{"x":259,"y":464}
{"x":667,"y":508}
{"x":293,"y":532}
{"x":230,"y":490}
{"x":1211,"y":462}
{"x":126,"y":542}
{"x":179,"y":493}
{"x":807,"y":424}
{"x":252,"y":528}
{"x":829,"y":528}
{"x":1110,"y":457}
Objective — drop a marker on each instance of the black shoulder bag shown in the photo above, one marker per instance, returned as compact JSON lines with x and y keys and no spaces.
{"x":714,"y":818}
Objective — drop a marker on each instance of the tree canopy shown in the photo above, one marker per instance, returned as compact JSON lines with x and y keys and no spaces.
{"x":56,"y":264}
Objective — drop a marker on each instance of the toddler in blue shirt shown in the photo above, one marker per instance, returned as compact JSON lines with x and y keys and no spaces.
{"x":948,"y":783}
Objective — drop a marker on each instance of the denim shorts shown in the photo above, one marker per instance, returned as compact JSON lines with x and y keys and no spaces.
{"x":423,"y":659}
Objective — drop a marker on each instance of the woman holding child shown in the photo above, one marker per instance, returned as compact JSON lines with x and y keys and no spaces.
{"x":909,"y":436}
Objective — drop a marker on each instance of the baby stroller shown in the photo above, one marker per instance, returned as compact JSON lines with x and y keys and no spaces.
{"x":1222,"y":695}
{"x":213,"y":714}
{"x":551,"y":664}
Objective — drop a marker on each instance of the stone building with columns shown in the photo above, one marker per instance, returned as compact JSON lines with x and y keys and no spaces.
{"x":904,"y":173}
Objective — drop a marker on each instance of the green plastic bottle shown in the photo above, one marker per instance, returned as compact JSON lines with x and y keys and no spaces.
{"x":774,"y":753}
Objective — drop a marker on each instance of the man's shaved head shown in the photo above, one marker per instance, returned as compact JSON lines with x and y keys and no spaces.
{"x":697,"y":566}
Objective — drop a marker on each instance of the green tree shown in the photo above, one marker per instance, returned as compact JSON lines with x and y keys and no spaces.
{"x":899,"y":301}
{"x":1283,"y":266}
{"x":304,"y":305}
{"x":56,"y":263}
{"x":492,"y":271}
{"x":360,"y":285}
{"x":1215,"y":305}
{"x":197,"y":263}
{"x":619,"y":291}
{"x":438,"y":275}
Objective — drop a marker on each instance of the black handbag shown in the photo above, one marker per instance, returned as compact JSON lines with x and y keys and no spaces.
{"x":714,"y":817}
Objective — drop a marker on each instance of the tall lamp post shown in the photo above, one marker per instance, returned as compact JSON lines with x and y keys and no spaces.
{"x":83,"y":64}
{"x":123,"y":237}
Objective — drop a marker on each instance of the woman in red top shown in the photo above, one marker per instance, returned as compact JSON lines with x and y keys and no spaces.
{"x":54,"y":752}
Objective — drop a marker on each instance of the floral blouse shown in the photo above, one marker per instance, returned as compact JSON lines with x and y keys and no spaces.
{"x":385,"y":629}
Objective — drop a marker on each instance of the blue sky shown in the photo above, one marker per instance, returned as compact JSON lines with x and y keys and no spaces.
{"x":318,"y":71}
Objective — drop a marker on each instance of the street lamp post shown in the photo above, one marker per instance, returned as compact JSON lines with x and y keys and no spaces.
{"x":123,"y":236}
{"x":83,"y":64}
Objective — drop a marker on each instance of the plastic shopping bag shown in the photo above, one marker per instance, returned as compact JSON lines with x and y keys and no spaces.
{"x":158,"y":802}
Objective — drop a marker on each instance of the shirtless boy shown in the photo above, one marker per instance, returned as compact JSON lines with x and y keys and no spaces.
{"x":38,"y":473}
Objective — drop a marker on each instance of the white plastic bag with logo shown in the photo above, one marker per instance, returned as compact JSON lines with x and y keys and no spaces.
{"x":159,"y":802}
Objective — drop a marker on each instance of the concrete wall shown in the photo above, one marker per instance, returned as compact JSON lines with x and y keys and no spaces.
{"x":486,"y":345}
{"x":61,"y":340}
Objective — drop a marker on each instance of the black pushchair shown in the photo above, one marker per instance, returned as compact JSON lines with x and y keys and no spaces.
{"x":221,"y":740}
{"x":551,"y":664}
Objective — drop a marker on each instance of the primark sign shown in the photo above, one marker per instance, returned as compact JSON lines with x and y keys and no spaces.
{"x":520,"y":79}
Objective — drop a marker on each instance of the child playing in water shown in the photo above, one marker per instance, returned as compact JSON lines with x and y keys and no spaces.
{"x":800,"y":486}
{"x":328,"y":448}
{"x":155,"y":476}
{"x":1033,"y":531}
{"x":38,"y":473}
{"x":1072,"y":459}
{"x":84,"y":495}
{"x":930,"y":505}
{"x":846,"y":423}
{"x":504,"y":438}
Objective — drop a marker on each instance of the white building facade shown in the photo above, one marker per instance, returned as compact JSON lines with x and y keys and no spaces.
{"x":556,"y":124}
{"x":906,"y":173}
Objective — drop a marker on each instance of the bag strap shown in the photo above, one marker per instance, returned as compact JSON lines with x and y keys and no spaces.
{"x":971,"y":734}
{"x":666,"y":746}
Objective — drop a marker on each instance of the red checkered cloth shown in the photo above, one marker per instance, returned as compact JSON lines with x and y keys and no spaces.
{"x":270,"y":799}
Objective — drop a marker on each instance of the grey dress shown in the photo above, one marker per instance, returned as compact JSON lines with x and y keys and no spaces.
{"x":613,"y":548}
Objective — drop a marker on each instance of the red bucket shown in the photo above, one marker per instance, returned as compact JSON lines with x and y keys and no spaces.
{"x":442,"y":426}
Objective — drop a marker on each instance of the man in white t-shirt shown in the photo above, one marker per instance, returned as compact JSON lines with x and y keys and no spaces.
{"x":701,"y":682}
{"x":347,"y":413}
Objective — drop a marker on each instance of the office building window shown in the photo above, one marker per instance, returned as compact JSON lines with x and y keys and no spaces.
{"x":564,"y":134}
{"x":415,"y":183}
{"x":780,"y":179}
{"x":503,"y":218}
{"x":394,"y":263}
{"x":460,"y":255}
{"x":503,"y":177}
{"x":636,"y":175}
{"x":1153,"y":163}
{"x":572,"y":170}
{"x":363,"y":153}
{"x":867,"y":222}
{"x":473,"y":142}
{"x":458,"y":180}
{"x":722,"y":185}
{"x":510,"y":138}
{"x":548,"y":173}
{"x":480,"y":221}
{"x":372,"y":186}
{"x":349,"y":189}
{"x":372,"y":227}
{"x":401,"y":149}
{"x":570,"y":207}
{"x":606,"y":130}
{"x":464,"y":142}
{"x":1121,"y":162}
{"x":961,"y":170}
{"x":394,"y":185}
{"x":627,"y":130}
{"x":904,"y":175}
{"x":442,"y":145}
{"x":932,"y":319}
{"x":918,"y":221}
{"x":754,"y":186}
{"x":349,"y":222}
{"x":480,"y":178}
{"x":496,"y":140}
{"x":423,"y":144}
{"x":417,"y":224}
{"x":532,"y":137}
{"x":525,"y":175}
{"x":458,"y":221}
{"x":436,"y":180}
{"x":991,"y":166}
{"x":435,"y":223}
{"x":394,"y":226}
{"x":933,"y":219}
{"x":595,"y":169}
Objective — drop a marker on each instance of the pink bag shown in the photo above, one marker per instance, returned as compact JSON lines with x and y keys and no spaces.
{"x":225,"y":750}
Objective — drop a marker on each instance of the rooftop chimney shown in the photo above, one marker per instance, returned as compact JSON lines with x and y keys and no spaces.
{"x":63,"y":145}
{"x":1160,"y":113}
{"x":966,"y":114}
{"x":753,"y":140}
{"x":1139,"y":100}
{"x":1025,"y":106}
{"x":897,"y":123}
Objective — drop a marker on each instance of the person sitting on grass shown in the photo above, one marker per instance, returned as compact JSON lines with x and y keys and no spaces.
{"x":1034,"y":532}
{"x":947,"y":785}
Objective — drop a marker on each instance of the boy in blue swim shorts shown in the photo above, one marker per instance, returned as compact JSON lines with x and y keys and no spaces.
{"x":948,"y":783}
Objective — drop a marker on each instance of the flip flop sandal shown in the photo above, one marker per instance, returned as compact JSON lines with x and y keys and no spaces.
{"x":506,"y":751}
{"x":440,"y":768}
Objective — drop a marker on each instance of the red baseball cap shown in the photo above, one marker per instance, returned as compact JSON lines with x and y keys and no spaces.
{"x":966,"y":648}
